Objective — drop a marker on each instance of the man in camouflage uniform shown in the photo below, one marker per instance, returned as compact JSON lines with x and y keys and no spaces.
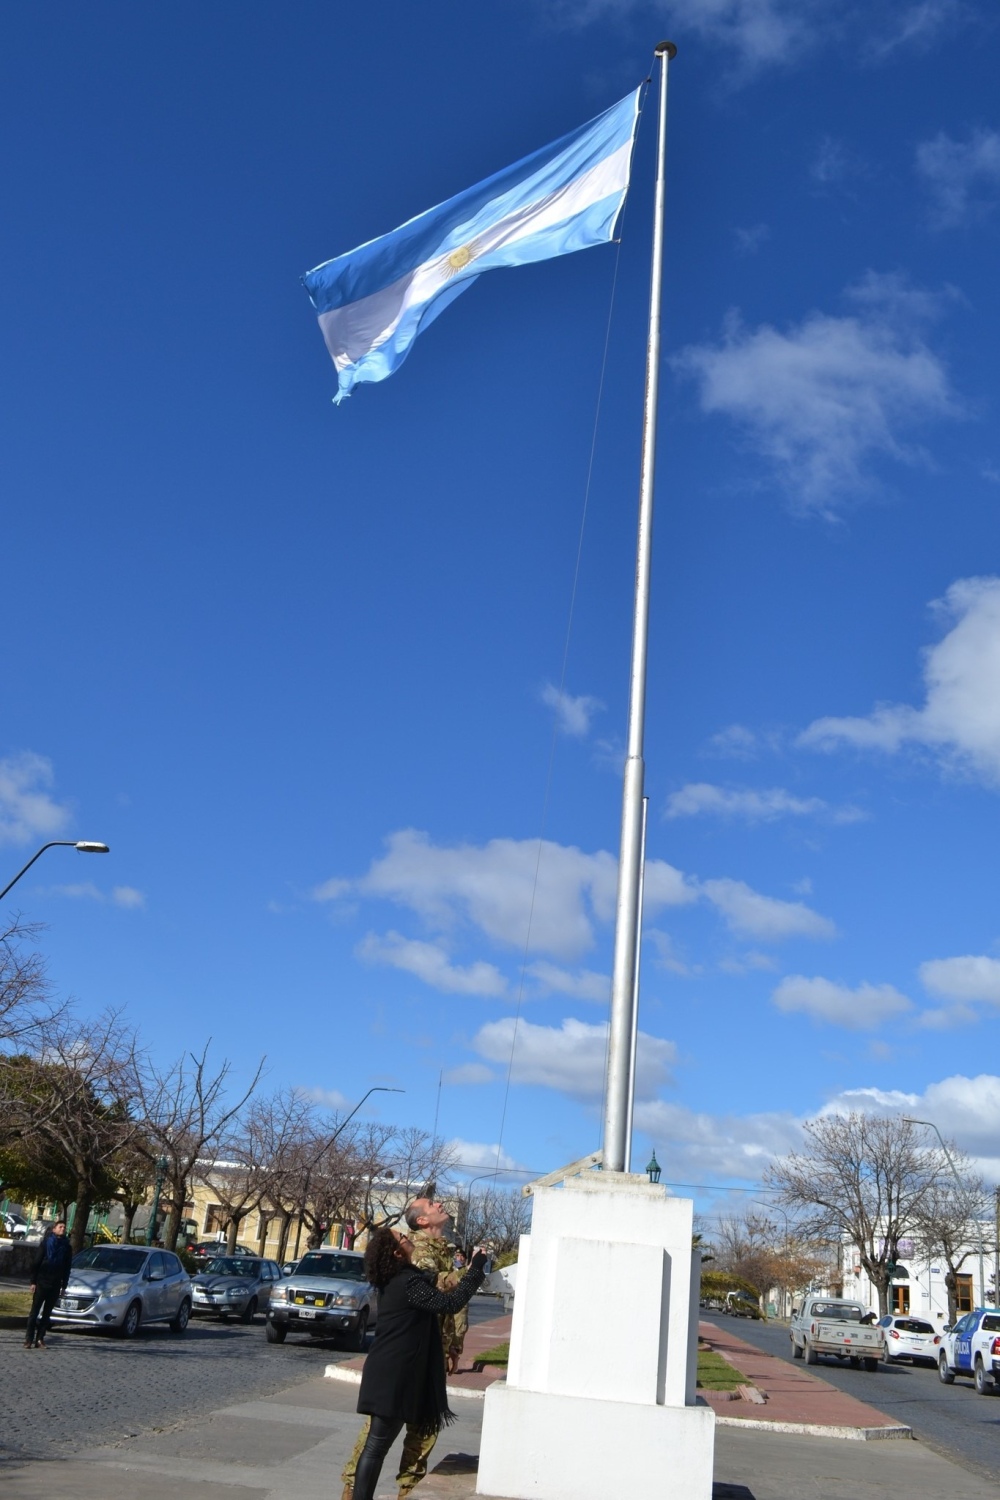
{"x":455,"y":1342}
{"x":426,"y":1218}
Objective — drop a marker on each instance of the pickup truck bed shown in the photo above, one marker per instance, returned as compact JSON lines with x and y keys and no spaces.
{"x":818,"y":1330}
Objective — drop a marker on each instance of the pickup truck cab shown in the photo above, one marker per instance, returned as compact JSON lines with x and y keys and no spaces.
{"x":972,"y":1348}
{"x":829,"y":1326}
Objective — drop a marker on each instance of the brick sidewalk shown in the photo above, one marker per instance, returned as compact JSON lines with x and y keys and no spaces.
{"x":793,"y":1396}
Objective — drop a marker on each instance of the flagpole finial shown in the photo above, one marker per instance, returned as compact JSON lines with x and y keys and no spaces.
{"x":668,"y":48}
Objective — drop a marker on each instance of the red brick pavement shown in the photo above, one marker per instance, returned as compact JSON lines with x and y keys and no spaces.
{"x":793,"y":1395}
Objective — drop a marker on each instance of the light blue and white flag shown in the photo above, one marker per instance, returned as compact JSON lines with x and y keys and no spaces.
{"x":374,"y":301}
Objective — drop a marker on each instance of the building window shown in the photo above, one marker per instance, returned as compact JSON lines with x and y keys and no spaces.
{"x":900,"y":1299}
{"x":963,"y":1293}
{"x":214,"y":1222}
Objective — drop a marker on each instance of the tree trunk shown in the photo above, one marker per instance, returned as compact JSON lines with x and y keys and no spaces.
{"x":232,"y":1234}
{"x":172,"y":1227}
{"x":128,"y":1221}
{"x":951,"y":1286}
{"x":285,"y":1217}
{"x":265,"y":1220}
{"x":81,"y":1213}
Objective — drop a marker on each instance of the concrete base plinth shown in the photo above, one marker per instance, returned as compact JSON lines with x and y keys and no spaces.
{"x":537,"y":1446}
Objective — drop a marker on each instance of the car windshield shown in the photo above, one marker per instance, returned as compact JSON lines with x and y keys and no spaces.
{"x":233,"y":1265}
{"x":110,"y":1258}
{"x":842,"y":1311}
{"x":341,"y":1267}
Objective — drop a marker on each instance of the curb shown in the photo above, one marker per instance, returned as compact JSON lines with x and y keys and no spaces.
{"x":813,"y":1429}
{"x":353,"y":1377}
{"x":14,"y":1320}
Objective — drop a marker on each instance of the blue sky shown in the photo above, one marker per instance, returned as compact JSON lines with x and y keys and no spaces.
{"x":301,"y":666}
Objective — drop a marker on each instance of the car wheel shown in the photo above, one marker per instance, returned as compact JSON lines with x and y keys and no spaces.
{"x":180,"y":1323}
{"x":275,"y":1333}
{"x":223,"y":1317}
{"x":886,"y":1355}
{"x":129,"y":1326}
{"x":984,"y":1382}
{"x":856,"y":1362}
{"x":871,"y":1365}
{"x":945,"y":1375}
{"x":796,"y":1350}
{"x":247,"y":1315}
{"x":810,"y":1355}
{"x":361,"y":1332}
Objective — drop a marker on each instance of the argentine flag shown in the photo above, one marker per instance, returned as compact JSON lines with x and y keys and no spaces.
{"x":373,"y":301}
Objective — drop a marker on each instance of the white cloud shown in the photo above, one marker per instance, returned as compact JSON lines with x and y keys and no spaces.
{"x":960,"y":717}
{"x":331,"y":1099}
{"x":480,"y":1154}
{"x":823,"y":399}
{"x":430,"y":963}
{"x":493,"y":887}
{"x":752,"y":806}
{"x":468,"y":1073}
{"x":697,"y":1145}
{"x":832,"y":162}
{"x":736,"y":741}
{"x":962,"y":177}
{"x":972,"y":977}
{"x":750,"y":239}
{"x":128,"y":897}
{"x":747,"y":963}
{"x":573,"y":715}
{"x":765,"y":917}
{"x":864,"y":1008}
{"x":27,"y":811}
{"x":966,"y":1110}
{"x":962,"y":982}
{"x":583,"y":985}
{"x":569,"y":1058}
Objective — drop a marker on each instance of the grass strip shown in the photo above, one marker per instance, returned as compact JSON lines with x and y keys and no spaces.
{"x":14,"y":1304}
{"x":498,"y":1355}
{"x":715,"y":1374}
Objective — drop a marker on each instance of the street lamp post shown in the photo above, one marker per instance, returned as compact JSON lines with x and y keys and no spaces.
{"x":161,"y":1168}
{"x":377,"y":1089}
{"x":83,"y":846}
{"x":961,"y":1187}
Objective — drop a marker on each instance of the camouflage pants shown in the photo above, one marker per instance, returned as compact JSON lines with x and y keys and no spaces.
{"x":412,"y":1461}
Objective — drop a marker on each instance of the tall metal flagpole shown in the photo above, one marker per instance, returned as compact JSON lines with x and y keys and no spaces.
{"x":630,"y":1111}
{"x":629,"y":864}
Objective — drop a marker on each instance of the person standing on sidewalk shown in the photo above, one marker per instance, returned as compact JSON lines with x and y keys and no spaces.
{"x":49,"y":1276}
{"x":459,"y":1324}
{"x":427,"y":1219}
{"x":403,"y":1383}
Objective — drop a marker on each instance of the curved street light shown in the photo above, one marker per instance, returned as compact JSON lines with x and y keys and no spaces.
{"x":909,"y":1120}
{"x":83,"y":846}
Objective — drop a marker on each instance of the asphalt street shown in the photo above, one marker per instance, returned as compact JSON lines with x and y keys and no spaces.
{"x":950,"y":1418}
{"x":87,"y":1388}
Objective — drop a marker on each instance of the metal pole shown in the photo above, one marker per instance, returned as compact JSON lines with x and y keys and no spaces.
{"x":626,"y":914}
{"x":85,"y":846}
{"x":961,"y":1188}
{"x":996,"y":1255}
{"x":635,"y":997}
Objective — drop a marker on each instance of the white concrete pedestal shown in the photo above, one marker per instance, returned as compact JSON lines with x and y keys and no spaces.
{"x":600,"y":1398}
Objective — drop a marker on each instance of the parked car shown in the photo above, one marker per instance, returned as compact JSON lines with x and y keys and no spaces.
{"x":120,"y":1287}
{"x":908,"y":1338}
{"x":741,"y":1305}
{"x":14,"y":1226}
{"x":209,"y":1249}
{"x":972,"y":1348}
{"x":234,"y":1286}
{"x":326,"y":1295}
{"x":288,"y":1268}
{"x":827,"y":1325}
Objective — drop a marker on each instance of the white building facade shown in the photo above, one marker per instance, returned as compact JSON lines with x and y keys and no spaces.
{"x":919,"y":1286}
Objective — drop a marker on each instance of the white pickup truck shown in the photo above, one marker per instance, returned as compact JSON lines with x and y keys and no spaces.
{"x":825,"y":1325}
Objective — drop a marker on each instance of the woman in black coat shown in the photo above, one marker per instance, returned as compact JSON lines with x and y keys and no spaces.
{"x":403,"y":1382}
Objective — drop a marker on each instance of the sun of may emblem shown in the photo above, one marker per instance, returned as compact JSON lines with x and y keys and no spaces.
{"x":458,"y":260}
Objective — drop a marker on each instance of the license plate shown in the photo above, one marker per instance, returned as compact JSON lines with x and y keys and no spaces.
{"x":70,"y":1304}
{"x":307,"y":1312}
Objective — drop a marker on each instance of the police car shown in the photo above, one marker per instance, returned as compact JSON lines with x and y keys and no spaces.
{"x":972,"y":1348}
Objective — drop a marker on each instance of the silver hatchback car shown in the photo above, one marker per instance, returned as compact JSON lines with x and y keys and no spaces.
{"x":120,"y":1287}
{"x":235,"y":1286}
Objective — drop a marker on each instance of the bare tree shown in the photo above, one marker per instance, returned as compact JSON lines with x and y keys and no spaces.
{"x":861,"y":1179}
{"x":496,"y":1218}
{"x":278,"y":1127}
{"x":755,"y":1250}
{"x":25,"y":996}
{"x":185,"y":1115}
{"x":949,"y":1221}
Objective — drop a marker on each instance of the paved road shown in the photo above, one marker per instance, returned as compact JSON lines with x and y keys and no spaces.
{"x":87,"y":1389}
{"x":951,"y":1418}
